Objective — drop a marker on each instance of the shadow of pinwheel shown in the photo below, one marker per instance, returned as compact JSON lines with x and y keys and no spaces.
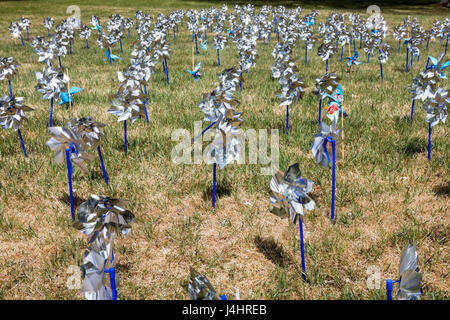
{"x":66,"y":200}
{"x":223,"y":188}
{"x":273,"y":251}
{"x":442,"y":190}
{"x":412,"y":145}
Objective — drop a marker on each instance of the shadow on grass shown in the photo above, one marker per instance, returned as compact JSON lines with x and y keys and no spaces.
{"x":409,"y":146}
{"x":273,"y":251}
{"x":442,"y":190}
{"x":66,"y":200}
{"x":223,"y":188}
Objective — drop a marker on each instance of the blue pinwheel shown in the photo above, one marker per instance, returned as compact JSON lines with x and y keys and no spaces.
{"x":97,"y":27}
{"x":310,"y":21}
{"x":203,"y":45}
{"x":196,"y":73}
{"x":436,"y":64}
{"x":352,"y":60}
{"x":66,"y":96}
{"x":111,"y":57}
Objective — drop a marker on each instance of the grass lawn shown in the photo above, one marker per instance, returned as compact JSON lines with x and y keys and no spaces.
{"x":387,"y":192}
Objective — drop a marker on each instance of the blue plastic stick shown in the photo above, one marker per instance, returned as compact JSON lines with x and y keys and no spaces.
{"x":326,"y":66}
{"x":306,"y":55}
{"x":167,"y":72}
{"x":412,"y":59}
{"x":381,"y":70}
{"x":51,"y":111}
{"x":145,"y":107}
{"x":412,"y":109}
{"x":287,"y":120}
{"x":69,"y":175}
{"x":407,"y":60}
{"x":320,"y":111}
{"x":399,"y":44}
{"x":28,"y":35}
{"x":48,"y":32}
{"x":125,"y":135}
{"x":302,"y":247}
{"x":121,"y":49}
{"x":214,"y":185}
{"x":10,"y":89}
{"x":70,"y":47}
{"x":174,"y":37}
{"x":429,"y":140}
{"x":60,"y":65}
{"x":333,"y":186}
{"x":446,"y":43}
{"x":21,"y":141}
{"x":103,"y":165}
{"x":23,"y":44}
{"x":240,"y":83}
{"x":110,"y":61}
{"x":218,"y":57}
{"x":428,"y":61}
{"x":87,"y":43}
{"x":389,"y":284}
{"x":128,"y":33}
{"x":207,"y":128}
{"x":342,"y":52}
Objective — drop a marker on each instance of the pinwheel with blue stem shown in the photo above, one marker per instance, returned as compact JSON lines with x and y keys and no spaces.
{"x":423,"y":87}
{"x":218,"y":108}
{"x":383,"y":56}
{"x":12,"y":114}
{"x":436,"y":109}
{"x":325,"y":51}
{"x":85,"y":33}
{"x":410,"y":277}
{"x":102,"y":219}
{"x":288,"y":198}
{"x":48,"y":24}
{"x":7,"y":71}
{"x":327,"y":134}
{"x":219,"y":44}
{"x":325,"y":86}
{"x":352,"y":61}
{"x":127,"y":104}
{"x":438,"y":65}
{"x":66,"y":142}
{"x":16,"y":31}
{"x":51,"y":82}
{"x":91,"y":134}
{"x":196,"y":72}
{"x":25,"y":24}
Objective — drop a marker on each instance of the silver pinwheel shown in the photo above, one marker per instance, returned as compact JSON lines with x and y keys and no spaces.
{"x":199,"y":287}
{"x":66,"y":142}
{"x":290,"y":197}
{"x":51,"y":83}
{"x":103,"y":219}
{"x":410,"y":277}
{"x":12,"y":115}
{"x":327,"y":135}
{"x":91,"y":134}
